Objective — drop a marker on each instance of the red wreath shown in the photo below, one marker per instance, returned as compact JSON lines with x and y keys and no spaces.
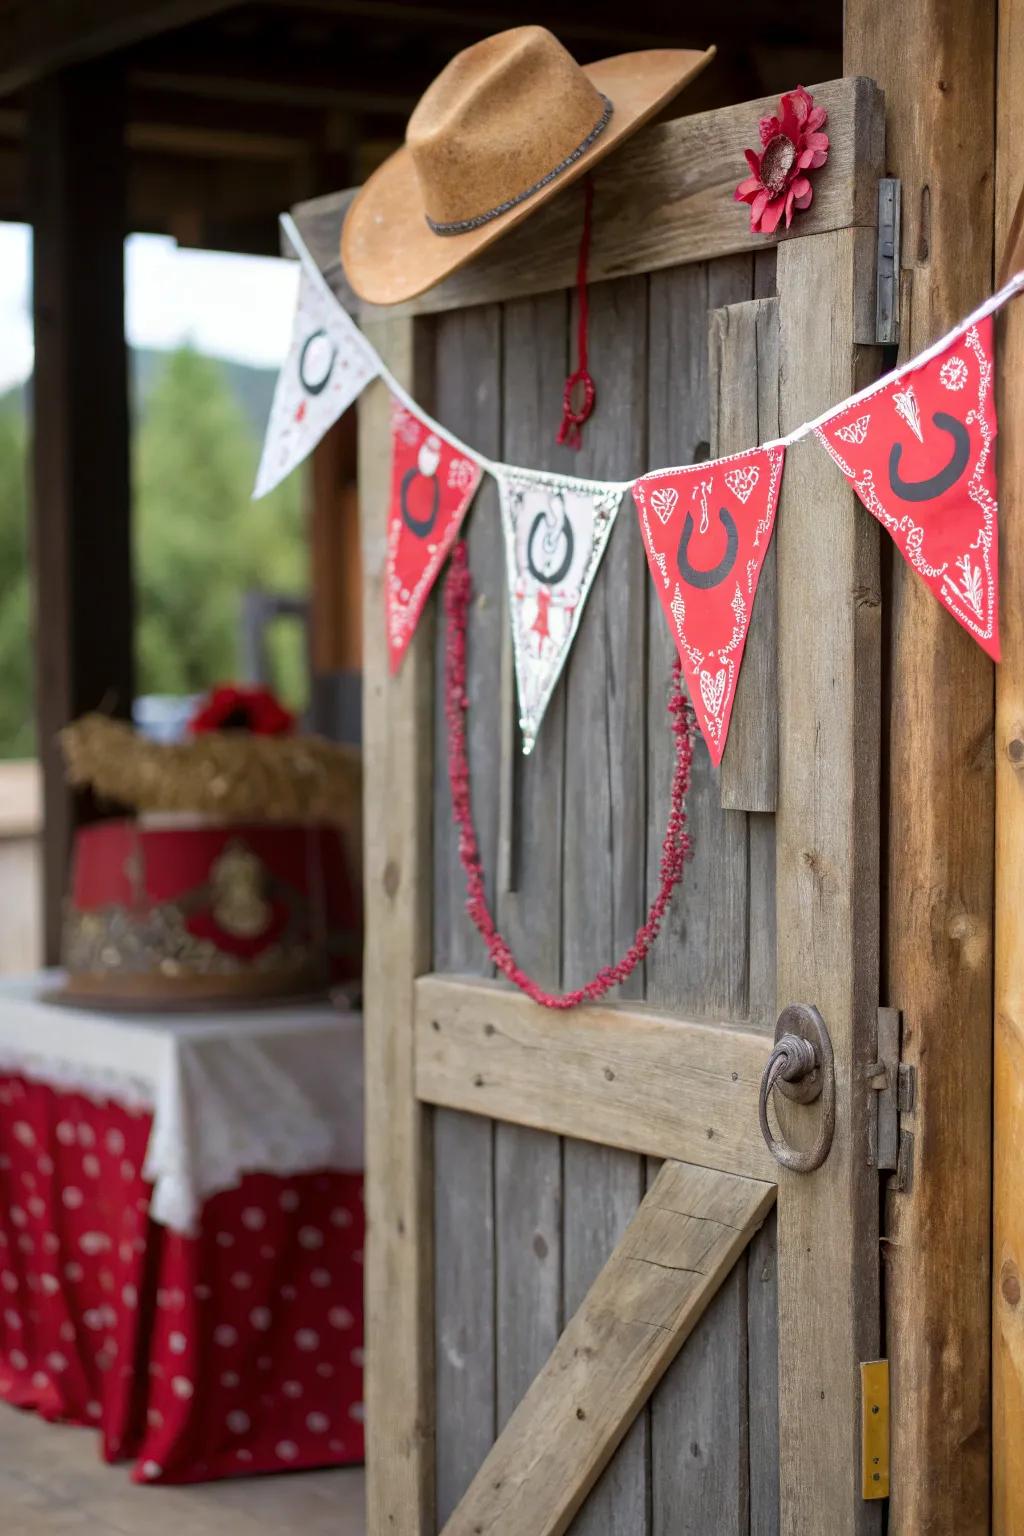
{"x":792,"y":144}
{"x":242,"y":709}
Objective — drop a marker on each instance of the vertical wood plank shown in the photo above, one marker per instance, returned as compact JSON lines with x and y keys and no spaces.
{"x":397,"y":841}
{"x":80,"y":527}
{"x":529,"y":905}
{"x":605,"y":812}
{"x":1008,"y":1106}
{"x":468,"y":351}
{"x":528,"y":1164}
{"x":827,"y":895}
{"x":744,"y":366}
{"x":464,"y":1290}
{"x":528,"y":1225}
{"x":940,"y":819}
{"x":468,"y":398}
{"x":605,"y":773}
{"x":603,"y":1189}
{"x":763,"y":1379}
{"x":700,"y":960}
{"x":699,"y":1456}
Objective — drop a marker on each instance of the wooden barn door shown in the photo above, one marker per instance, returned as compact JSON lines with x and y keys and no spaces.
{"x":596,"y":1302}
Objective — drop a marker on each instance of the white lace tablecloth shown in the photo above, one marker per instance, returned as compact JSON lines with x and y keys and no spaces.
{"x":254,"y":1091}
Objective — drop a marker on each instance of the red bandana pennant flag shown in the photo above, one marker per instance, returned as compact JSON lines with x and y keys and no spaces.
{"x":706,"y":530}
{"x":433,"y":481}
{"x":920,"y":453}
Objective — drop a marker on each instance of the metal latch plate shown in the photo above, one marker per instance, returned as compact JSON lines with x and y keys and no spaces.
{"x":874,"y":1428}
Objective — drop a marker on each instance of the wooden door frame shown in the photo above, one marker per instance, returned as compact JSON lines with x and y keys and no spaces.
{"x":674,"y":184}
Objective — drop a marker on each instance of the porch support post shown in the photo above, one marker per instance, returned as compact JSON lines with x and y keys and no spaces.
{"x":935,"y":62}
{"x":80,"y":535}
{"x":1008,"y":1102}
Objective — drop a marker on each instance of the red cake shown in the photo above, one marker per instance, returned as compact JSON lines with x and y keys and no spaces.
{"x":163,"y":912}
{"x":235,"y":879}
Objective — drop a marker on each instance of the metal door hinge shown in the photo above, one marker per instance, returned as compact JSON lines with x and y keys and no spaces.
{"x":887,"y":266}
{"x":894,"y":1085}
{"x":874,"y":1429}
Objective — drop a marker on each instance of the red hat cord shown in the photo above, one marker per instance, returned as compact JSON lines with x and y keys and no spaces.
{"x":570,"y":433}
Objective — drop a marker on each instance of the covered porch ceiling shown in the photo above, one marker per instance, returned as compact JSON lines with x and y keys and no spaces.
{"x":233,"y":112}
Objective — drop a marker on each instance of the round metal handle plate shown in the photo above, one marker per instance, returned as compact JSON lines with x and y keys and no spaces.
{"x":801,"y":1067}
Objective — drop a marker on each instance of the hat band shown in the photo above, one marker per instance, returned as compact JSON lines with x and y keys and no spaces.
{"x":462,"y":226}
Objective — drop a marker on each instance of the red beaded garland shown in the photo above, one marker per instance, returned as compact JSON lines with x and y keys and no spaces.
{"x":675,"y":847}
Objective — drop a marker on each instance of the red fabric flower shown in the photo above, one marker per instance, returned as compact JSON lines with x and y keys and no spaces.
{"x":792,"y":144}
{"x":242,"y":709}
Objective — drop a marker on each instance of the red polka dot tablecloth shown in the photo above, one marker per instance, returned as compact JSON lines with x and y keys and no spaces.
{"x":232,"y":1349}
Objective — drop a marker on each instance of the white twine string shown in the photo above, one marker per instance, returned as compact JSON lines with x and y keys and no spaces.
{"x":502,"y":471}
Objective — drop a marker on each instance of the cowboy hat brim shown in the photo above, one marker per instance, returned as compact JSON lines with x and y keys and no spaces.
{"x":390,"y":253}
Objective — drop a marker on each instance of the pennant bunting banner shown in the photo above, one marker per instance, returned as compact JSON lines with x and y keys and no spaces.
{"x":556,"y":530}
{"x":433,"y":481}
{"x":920,"y":453}
{"x":329,"y":363}
{"x":918,"y":447}
{"x":706,"y":530}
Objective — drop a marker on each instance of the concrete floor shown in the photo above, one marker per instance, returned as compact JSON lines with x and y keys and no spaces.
{"x":52,"y":1480}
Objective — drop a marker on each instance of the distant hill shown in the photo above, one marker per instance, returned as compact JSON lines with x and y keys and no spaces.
{"x":253,"y":388}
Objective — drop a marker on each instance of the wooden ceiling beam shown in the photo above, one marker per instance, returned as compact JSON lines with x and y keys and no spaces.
{"x":39,"y":39}
{"x":603,"y":23}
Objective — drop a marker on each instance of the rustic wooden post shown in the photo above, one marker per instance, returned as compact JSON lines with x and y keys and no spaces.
{"x":398,"y":755}
{"x":1008,"y":1240}
{"x":827,"y":863}
{"x":80,"y":541}
{"x":935,"y":63}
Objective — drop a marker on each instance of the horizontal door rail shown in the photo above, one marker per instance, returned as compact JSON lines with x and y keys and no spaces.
{"x":621,"y":1076}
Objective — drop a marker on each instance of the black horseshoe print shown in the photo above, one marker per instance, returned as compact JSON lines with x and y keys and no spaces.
{"x":316,"y":386}
{"x":552,"y":579}
{"x":717,"y":573}
{"x":927,"y":490}
{"x":420,"y":526}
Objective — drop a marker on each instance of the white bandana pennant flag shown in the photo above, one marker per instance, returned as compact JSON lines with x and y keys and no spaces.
{"x":556,"y":531}
{"x":329,"y":363}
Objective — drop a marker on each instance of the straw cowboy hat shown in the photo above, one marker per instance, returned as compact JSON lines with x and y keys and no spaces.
{"x":506,"y":124}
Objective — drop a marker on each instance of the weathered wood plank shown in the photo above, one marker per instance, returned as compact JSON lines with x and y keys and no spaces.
{"x":744,"y":368}
{"x":663,"y":199}
{"x":763,"y":1379}
{"x":528,"y":1164}
{"x":604,"y":896}
{"x":827,"y":895}
{"x":464,"y":1326}
{"x":528,"y":1263}
{"x":468,"y":401}
{"x":534,"y":359}
{"x":676,"y":1252}
{"x":1008,"y":1106}
{"x":699,"y":1461}
{"x":603,"y":1188}
{"x":761,"y":1010}
{"x":940,"y":804}
{"x":699,"y":964}
{"x":397,"y":841}
{"x":625,"y":1077}
{"x":604,"y":875}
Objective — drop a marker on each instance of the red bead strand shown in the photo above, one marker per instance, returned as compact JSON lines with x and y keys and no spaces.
{"x":675,"y":848}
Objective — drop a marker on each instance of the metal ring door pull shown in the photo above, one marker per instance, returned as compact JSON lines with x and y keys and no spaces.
{"x":801,"y":1067}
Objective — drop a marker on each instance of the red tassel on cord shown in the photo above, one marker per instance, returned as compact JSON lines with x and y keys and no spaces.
{"x":570,"y":433}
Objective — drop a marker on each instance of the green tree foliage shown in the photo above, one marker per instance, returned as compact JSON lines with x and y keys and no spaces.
{"x":199,"y":544}
{"x":200,"y":541}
